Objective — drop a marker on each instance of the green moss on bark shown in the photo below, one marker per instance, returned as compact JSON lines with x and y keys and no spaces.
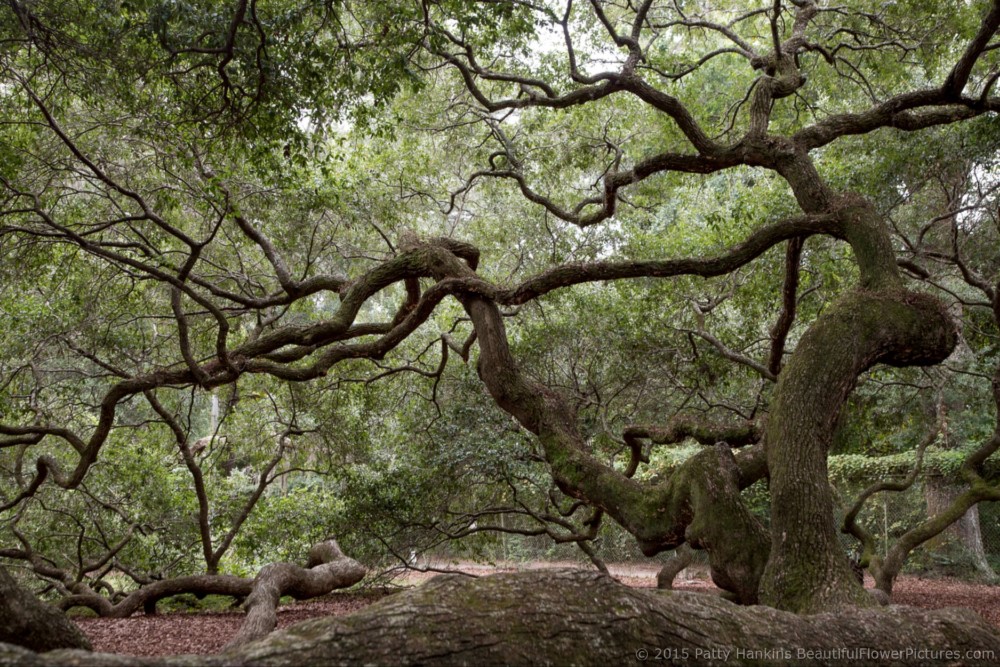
{"x":808,"y":570}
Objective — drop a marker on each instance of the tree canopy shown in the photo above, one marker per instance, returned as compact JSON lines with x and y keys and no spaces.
{"x":496,"y":257}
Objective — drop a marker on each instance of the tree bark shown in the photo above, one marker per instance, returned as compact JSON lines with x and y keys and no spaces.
{"x":683,"y":556}
{"x":878,"y":322}
{"x":885,"y":570}
{"x":699,"y":503}
{"x":979,"y":490}
{"x":573,"y":617}
{"x":326,"y":570}
{"x":327,"y":566}
{"x":802,"y":567}
{"x":147,"y":596}
{"x":29,"y":622}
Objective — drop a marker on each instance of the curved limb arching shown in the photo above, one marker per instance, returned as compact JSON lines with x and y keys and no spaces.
{"x":699,"y":504}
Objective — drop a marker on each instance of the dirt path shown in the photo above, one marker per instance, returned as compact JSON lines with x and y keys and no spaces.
{"x":206,"y":633}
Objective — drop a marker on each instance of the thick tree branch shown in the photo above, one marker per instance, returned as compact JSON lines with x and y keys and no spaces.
{"x":755,"y":245}
{"x":328,"y":569}
{"x":958,"y":78}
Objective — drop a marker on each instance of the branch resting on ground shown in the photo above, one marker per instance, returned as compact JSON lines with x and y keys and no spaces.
{"x":328,"y":569}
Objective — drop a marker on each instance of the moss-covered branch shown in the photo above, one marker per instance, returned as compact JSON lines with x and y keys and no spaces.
{"x":699,"y":503}
{"x":808,"y":570}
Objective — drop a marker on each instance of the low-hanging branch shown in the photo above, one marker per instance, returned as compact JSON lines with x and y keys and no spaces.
{"x":703,"y":432}
{"x":326,"y":570}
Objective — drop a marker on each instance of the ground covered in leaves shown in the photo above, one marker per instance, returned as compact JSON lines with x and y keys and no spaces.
{"x":206,"y":633}
{"x":202,"y":632}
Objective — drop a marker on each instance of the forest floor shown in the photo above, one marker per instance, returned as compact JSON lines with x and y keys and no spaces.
{"x":207,"y":632}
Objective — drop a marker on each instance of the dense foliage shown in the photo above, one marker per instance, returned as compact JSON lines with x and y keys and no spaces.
{"x":228,"y":324}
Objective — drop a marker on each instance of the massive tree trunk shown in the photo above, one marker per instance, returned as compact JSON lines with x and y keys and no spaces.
{"x":700,"y":503}
{"x":26,"y":621}
{"x":586,"y":618}
{"x":808,"y":570}
{"x":877,"y":322}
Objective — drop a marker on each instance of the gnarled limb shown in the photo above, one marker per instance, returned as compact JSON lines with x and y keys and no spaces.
{"x":146,"y":597}
{"x":683,"y":556}
{"x":705,"y":433}
{"x":789,"y":303}
{"x":869,"y":555}
{"x":979,"y":490}
{"x":328,"y":569}
{"x":585,"y":618}
{"x":699,"y":503}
